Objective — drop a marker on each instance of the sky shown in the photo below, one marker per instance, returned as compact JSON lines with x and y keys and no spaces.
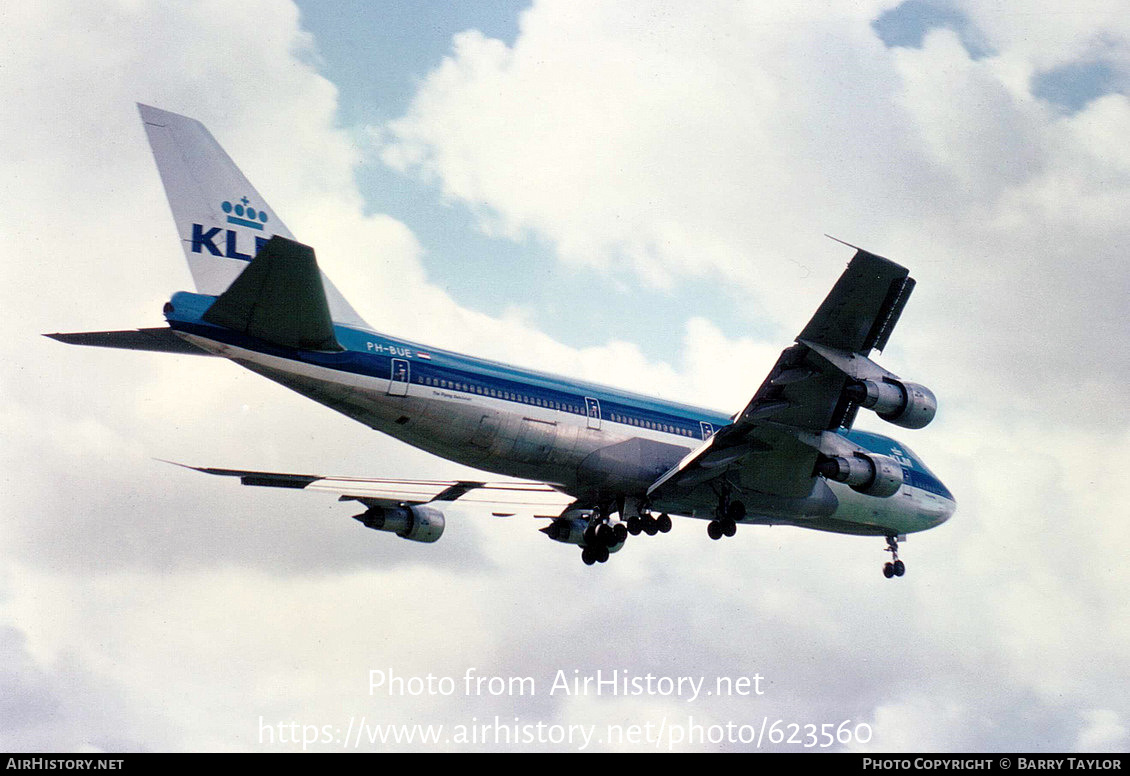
{"x":636,"y":194}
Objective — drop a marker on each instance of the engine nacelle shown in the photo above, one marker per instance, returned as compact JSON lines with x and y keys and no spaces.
{"x":415,"y":523}
{"x":575,"y":526}
{"x":567,"y":529}
{"x":867,"y":473}
{"x":909,"y":405}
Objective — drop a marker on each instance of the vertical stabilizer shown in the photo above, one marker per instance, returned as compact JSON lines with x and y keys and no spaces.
{"x":223,"y":222}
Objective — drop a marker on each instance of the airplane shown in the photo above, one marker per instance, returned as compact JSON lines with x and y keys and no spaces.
{"x":620,"y":464}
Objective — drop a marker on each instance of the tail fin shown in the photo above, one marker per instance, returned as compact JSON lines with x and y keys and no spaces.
{"x":222,"y":220}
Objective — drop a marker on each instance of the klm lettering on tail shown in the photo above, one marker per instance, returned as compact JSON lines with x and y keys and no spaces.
{"x":240,"y":214}
{"x":205,"y":240}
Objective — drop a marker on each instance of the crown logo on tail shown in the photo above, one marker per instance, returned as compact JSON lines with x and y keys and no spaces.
{"x":242,"y":215}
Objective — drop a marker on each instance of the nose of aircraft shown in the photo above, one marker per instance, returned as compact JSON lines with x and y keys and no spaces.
{"x":946,"y":509}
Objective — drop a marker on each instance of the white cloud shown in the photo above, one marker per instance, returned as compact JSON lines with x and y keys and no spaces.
{"x":1104,"y":732}
{"x":1005,"y":210}
{"x":723,"y":144}
{"x":649,"y":137}
{"x":662,"y":142}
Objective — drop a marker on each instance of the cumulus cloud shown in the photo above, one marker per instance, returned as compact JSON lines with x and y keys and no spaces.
{"x":1103,"y":731}
{"x":725,"y":143}
{"x":649,"y":142}
{"x":1004,"y":208}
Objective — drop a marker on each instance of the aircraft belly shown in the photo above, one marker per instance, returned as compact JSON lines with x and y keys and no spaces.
{"x":482,"y":432}
{"x":540,"y":444}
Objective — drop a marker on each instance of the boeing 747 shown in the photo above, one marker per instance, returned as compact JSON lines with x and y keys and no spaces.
{"x":621,"y":464}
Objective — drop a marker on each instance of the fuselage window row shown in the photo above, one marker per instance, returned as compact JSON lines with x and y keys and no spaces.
{"x":437,"y":382}
{"x":452,"y":385}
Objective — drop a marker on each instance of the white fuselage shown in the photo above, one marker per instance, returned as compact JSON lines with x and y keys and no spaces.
{"x":584,"y":439}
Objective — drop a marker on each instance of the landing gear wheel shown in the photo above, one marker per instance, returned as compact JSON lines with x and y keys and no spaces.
{"x":650,"y":525}
{"x":635,"y":525}
{"x":664,"y":523}
{"x":587,"y":556}
{"x":895,"y":568}
{"x":727,"y":514}
{"x":601,"y":554}
{"x":605,"y":535}
{"x":620,"y":532}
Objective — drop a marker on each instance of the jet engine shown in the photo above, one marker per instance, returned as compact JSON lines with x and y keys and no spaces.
{"x":596,"y":538}
{"x":568,"y":529}
{"x":909,"y":405}
{"x":867,"y":473}
{"x":415,"y":523}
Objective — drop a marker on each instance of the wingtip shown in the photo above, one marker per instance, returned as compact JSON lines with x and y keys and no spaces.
{"x":864,"y":251}
{"x":178,"y":463}
{"x":843,"y":242}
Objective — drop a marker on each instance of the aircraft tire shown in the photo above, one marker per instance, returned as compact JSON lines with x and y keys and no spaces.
{"x":605,"y":535}
{"x":735,"y":512}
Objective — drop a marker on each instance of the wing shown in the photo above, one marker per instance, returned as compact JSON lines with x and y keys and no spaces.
{"x":773,"y":445}
{"x":378,"y":492}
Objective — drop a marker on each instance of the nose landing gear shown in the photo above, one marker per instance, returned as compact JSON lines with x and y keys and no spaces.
{"x":894,"y":568}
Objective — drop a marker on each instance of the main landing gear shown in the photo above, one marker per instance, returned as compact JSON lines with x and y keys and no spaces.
{"x":602,"y":535}
{"x":895,"y":568}
{"x":730,"y":512}
{"x":591,"y":555}
{"x":649,"y":524}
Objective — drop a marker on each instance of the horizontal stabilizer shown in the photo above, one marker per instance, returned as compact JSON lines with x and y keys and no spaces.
{"x":279,"y":298}
{"x":162,"y":340}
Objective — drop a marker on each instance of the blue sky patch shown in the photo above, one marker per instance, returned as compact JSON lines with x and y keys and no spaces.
{"x":1071,"y":87}
{"x":906,"y":25}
